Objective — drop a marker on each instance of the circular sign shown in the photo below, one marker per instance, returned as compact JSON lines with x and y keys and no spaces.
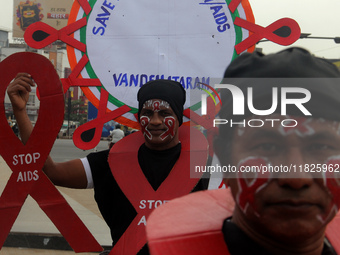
{"x":129,"y":43}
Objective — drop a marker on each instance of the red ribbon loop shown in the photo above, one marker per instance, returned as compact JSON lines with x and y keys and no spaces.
{"x":54,"y":35}
{"x":267,"y":32}
{"x":79,"y":137}
{"x":26,"y":161}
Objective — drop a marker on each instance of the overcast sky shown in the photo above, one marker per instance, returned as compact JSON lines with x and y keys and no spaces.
{"x":320,"y":18}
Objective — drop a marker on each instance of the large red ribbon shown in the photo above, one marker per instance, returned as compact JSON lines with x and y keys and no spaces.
{"x":26,"y":161}
{"x":123,"y":160}
{"x":267,"y":32}
{"x":32,"y":39}
{"x":97,"y":124}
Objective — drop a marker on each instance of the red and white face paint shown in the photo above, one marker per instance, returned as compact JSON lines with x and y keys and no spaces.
{"x":332,"y":183}
{"x":156,"y":106}
{"x":251,"y":179}
{"x":144,"y":122}
{"x":303,"y":127}
{"x":169,"y":122}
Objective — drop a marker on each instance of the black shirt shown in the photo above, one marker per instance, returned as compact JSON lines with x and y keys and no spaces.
{"x":115,"y":208}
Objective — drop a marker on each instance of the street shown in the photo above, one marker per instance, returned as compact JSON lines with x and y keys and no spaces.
{"x":64,"y":150}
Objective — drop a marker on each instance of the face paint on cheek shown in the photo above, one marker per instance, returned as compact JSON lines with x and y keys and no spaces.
{"x":332,"y":183}
{"x":170,"y":124}
{"x":144,"y":122}
{"x":249,"y":187}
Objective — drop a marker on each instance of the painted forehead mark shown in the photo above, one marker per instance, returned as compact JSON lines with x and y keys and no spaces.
{"x":156,"y":104}
{"x":302,"y":127}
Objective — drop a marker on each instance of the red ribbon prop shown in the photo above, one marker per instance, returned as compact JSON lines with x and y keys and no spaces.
{"x":191,"y":225}
{"x":33,"y":32}
{"x":136,"y":187}
{"x":26,"y":161}
{"x":233,"y":5}
{"x":79,"y":137}
{"x":72,"y":80}
{"x":86,"y":6}
{"x":267,"y":32}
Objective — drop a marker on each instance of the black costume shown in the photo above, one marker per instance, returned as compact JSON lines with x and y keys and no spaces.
{"x":115,"y":208}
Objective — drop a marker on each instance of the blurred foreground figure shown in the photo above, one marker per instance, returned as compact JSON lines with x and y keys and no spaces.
{"x":281,"y":161}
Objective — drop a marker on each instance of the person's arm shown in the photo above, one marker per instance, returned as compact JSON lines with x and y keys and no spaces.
{"x":69,"y":174}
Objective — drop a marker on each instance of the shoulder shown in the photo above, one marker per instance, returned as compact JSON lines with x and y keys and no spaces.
{"x":98,"y":155}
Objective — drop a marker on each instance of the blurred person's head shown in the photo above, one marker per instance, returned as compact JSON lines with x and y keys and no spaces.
{"x":294,"y":203}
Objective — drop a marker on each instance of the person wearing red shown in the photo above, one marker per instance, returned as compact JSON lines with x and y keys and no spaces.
{"x":160,"y":148}
{"x":283,"y":189}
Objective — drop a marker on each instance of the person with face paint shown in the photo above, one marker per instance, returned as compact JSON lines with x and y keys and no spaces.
{"x":263,"y":212}
{"x":160,"y":114}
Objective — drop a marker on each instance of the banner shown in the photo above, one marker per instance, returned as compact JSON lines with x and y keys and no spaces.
{"x":129,"y":43}
{"x":53,"y":13}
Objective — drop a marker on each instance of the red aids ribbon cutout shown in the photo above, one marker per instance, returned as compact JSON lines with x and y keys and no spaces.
{"x":86,"y":6}
{"x":83,"y":138}
{"x":248,"y":185}
{"x":72,"y":80}
{"x":267,"y":32}
{"x":26,"y":161}
{"x":35,"y":31}
{"x":233,"y":5}
{"x":123,"y":160}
